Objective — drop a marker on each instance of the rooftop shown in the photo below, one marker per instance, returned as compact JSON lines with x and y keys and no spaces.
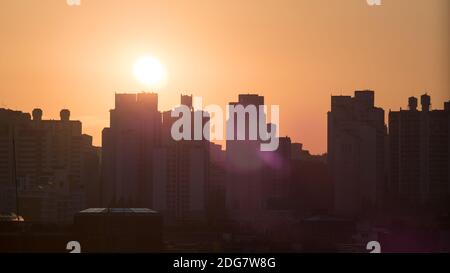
{"x":117,"y":210}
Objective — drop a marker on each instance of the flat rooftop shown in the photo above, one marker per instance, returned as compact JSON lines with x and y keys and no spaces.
{"x":117,"y":210}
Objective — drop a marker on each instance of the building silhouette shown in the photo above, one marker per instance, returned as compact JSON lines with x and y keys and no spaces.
{"x":419,"y":155}
{"x":127,"y":151}
{"x":244,"y":190}
{"x":257,"y":182}
{"x":311,"y":190}
{"x":51,"y":162}
{"x":182,"y":171}
{"x":143,"y":166}
{"x":277,"y":176}
{"x":356,"y":152}
{"x":118,"y":230}
{"x":217,"y":213}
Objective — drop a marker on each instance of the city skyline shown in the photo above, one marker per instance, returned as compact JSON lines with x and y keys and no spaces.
{"x":221,"y":142}
{"x":375,"y":173}
{"x":224,"y":134}
{"x":295,"y":53}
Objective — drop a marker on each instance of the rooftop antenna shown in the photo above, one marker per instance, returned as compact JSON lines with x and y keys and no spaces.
{"x":15,"y":174}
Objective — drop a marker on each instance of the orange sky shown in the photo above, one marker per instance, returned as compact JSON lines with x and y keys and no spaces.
{"x":295,"y":53}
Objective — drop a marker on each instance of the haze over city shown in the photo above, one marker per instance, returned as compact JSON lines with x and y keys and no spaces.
{"x":261,"y":127}
{"x":296,"y":53}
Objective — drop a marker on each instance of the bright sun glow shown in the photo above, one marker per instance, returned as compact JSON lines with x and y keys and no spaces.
{"x":149,"y":71}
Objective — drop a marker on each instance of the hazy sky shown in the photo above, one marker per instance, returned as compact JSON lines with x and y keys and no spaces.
{"x":295,"y":53}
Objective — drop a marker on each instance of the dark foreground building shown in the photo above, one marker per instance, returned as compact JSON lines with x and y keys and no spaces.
{"x":121,"y":230}
{"x":419,"y":155}
{"x":18,"y":236}
{"x":96,"y":230}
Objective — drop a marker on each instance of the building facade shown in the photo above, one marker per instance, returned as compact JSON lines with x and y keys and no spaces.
{"x":127,"y":150}
{"x":143,"y":166}
{"x":45,"y":166}
{"x":182,"y":179}
{"x":356,"y":153}
{"x":419,"y":144}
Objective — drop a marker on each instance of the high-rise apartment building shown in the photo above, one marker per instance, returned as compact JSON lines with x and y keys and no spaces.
{"x":45,"y":164}
{"x":419,"y":154}
{"x":244,"y":189}
{"x":356,"y":152}
{"x":182,"y":176}
{"x":127,"y":150}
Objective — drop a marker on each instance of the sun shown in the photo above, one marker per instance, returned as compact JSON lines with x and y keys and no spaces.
{"x":149,"y":71}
